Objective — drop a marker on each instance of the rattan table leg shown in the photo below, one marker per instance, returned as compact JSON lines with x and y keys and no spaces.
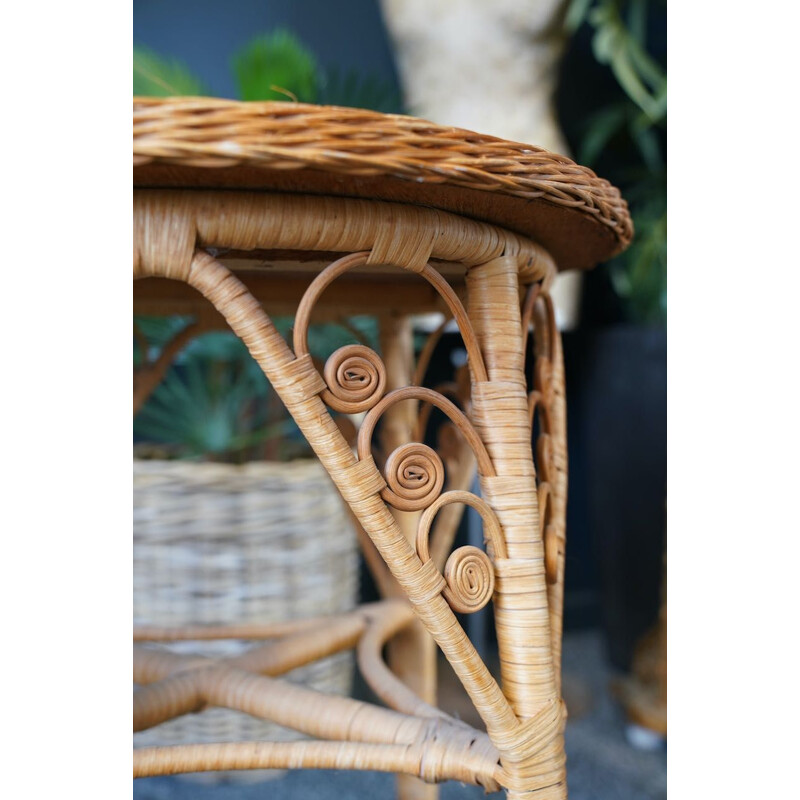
{"x":412,"y":653}
{"x":533,"y":755}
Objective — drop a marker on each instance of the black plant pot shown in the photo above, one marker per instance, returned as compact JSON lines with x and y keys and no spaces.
{"x":622,"y":428}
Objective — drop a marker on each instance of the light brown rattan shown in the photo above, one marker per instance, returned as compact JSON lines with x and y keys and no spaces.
{"x":526,"y":722}
{"x":177,"y":235}
{"x":580,"y":218}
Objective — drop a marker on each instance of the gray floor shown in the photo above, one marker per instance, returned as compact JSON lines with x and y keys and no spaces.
{"x":601,"y":764}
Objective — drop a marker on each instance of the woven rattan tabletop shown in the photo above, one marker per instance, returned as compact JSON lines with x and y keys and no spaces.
{"x":209,"y":143}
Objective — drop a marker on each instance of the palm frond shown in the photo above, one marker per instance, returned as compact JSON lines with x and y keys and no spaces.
{"x":155,"y":76}
{"x":273,"y":65}
{"x":353,"y":89}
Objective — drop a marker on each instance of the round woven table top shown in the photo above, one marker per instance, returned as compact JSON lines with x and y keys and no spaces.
{"x":210,"y":143}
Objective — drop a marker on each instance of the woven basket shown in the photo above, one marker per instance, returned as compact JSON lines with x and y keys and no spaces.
{"x":217,"y":544}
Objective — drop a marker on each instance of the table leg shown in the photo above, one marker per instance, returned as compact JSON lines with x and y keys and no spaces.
{"x":412,"y":653}
{"x":500,"y":414}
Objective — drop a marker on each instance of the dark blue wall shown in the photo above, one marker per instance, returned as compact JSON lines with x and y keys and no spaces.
{"x":347,"y":34}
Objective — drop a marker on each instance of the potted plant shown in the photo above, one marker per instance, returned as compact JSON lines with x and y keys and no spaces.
{"x":615,"y":66}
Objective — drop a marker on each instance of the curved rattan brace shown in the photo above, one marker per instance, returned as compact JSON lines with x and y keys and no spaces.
{"x":455,"y":415}
{"x":444,"y":389}
{"x":345,"y":264}
{"x":169,"y":225}
{"x":388,"y":620}
{"x":409,"y":759}
{"x":468,"y":572}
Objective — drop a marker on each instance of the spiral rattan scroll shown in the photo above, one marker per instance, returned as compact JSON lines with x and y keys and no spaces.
{"x":468,"y":572}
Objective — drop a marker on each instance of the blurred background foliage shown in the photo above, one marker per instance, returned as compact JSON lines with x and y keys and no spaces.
{"x":614,"y":114}
{"x":215,"y":401}
{"x":273,"y":66}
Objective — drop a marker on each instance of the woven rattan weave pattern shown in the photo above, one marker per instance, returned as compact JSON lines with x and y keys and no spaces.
{"x":579,"y":217}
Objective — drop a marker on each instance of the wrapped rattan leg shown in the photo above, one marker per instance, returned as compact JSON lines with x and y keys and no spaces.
{"x":412,"y":653}
{"x":532,"y":755}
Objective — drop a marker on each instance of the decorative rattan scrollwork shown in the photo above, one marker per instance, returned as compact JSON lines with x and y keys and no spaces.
{"x":355,"y":382}
{"x":469,"y":571}
{"x":355,"y":379}
{"x":414,"y":475}
{"x":355,"y":374}
{"x":456,"y":416}
{"x":349,"y":262}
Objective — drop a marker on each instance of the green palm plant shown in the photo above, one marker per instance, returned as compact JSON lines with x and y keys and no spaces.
{"x":275,"y":66}
{"x":156,"y":76}
{"x":215,"y":402}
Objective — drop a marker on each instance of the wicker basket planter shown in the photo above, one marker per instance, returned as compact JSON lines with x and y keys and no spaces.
{"x":218,"y":544}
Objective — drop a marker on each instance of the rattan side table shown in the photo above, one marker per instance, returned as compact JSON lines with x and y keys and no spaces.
{"x":257,"y":208}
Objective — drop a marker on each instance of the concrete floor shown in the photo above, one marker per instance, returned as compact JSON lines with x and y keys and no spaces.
{"x":601,"y":765}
